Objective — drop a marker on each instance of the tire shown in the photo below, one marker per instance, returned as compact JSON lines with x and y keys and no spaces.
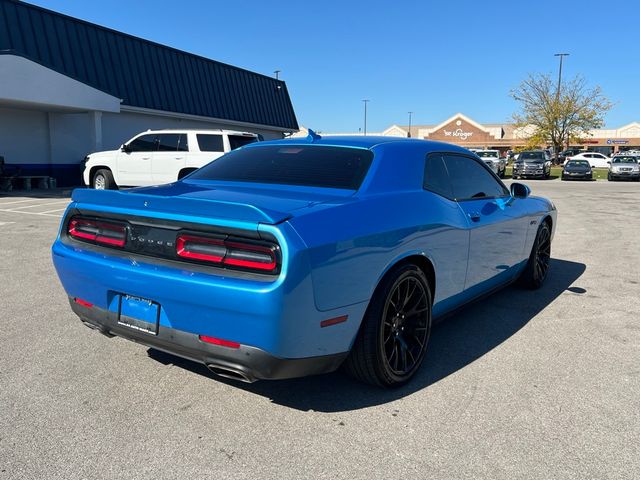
{"x":609,"y":177}
{"x":392,"y":342}
{"x":103,"y":180}
{"x":535,"y":273}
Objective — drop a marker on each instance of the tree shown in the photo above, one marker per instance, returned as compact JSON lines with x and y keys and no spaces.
{"x":556,"y":116}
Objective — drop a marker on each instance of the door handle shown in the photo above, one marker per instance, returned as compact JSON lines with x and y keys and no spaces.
{"x":146,"y":158}
{"x":179,"y":158}
{"x":474,"y":216}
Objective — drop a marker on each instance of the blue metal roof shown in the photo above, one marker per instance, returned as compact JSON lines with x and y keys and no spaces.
{"x":140,"y":72}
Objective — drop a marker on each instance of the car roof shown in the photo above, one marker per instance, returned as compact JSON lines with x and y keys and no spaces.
{"x":367,"y":142}
{"x":199,"y":130}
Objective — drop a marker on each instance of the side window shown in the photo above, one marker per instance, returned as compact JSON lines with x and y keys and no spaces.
{"x":210,"y":143}
{"x":168,"y":142}
{"x":237,"y":141}
{"x":470,"y":179}
{"x":183,"y":144}
{"x":145,"y":143}
{"x":436,"y":178}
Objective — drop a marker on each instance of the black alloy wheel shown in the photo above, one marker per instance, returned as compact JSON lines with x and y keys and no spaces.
{"x":535,"y":273}
{"x":404,"y":331}
{"x":393,"y":337}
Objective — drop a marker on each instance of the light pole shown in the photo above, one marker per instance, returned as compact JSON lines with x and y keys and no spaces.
{"x":561,"y":55}
{"x":409,"y":135}
{"x":365,"y":101}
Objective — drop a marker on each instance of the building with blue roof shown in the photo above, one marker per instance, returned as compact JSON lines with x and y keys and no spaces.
{"x":70,"y":87}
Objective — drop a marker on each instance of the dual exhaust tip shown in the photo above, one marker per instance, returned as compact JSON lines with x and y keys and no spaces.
{"x":231,"y":373}
{"x":220,"y":370}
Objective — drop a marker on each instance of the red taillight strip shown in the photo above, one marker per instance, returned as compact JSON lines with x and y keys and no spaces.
{"x":182,"y":250}
{"x":219,"y":341}
{"x":333,"y":321}
{"x":237,"y":262}
{"x":99,"y":236}
{"x":84,"y":303}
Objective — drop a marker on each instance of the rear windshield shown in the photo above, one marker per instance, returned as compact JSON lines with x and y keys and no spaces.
{"x":487,"y":154}
{"x":306,"y":165}
{"x":237,"y":141}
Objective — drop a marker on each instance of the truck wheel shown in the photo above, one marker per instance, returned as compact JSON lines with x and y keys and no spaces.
{"x":103,"y":180}
{"x":393,"y":337}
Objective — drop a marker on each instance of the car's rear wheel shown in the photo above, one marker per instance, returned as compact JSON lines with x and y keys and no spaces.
{"x":103,"y":180}
{"x":535,"y":273}
{"x":393,"y":337}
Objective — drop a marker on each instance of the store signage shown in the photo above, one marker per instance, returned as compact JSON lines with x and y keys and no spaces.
{"x":461,"y":134}
{"x":617,"y":142}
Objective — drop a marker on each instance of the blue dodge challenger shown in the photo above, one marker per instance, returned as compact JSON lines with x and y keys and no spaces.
{"x":294,"y":257}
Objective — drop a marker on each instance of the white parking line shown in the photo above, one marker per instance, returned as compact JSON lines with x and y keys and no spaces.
{"x":40,"y":205}
{"x":55,"y":210}
{"x":30,"y":213}
{"x":19,"y":201}
{"x":6,"y":223}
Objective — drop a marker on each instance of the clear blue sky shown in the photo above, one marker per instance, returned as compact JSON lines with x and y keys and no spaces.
{"x":433,"y":57}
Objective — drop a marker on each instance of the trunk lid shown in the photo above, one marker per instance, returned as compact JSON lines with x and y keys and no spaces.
{"x":251,"y":204}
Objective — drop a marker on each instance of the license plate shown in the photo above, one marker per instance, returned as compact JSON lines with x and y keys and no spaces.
{"x":139,"y":314}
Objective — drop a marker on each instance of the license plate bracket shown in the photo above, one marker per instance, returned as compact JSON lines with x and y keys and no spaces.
{"x":138,"y":313}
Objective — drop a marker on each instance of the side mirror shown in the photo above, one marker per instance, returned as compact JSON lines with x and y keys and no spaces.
{"x":125,"y":148}
{"x":520,"y":190}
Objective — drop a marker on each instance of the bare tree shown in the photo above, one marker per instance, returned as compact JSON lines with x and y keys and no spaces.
{"x":557,"y":115}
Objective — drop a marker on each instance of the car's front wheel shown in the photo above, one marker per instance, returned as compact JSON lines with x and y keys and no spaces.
{"x":535,"y":272}
{"x":393,"y":337}
{"x":103,"y":180}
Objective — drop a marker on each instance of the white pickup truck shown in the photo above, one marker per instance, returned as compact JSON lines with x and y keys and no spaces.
{"x":160,"y":156}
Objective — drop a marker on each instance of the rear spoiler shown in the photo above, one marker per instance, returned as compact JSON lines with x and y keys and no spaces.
{"x":177,"y":205}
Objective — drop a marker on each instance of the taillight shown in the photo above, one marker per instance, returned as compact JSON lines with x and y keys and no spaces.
{"x":228,"y":252}
{"x":98,"y":231}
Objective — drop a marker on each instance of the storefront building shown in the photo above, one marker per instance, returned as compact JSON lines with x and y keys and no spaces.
{"x":464,"y":131}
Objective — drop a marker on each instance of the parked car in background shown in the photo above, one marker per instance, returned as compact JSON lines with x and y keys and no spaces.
{"x":568,"y":153}
{"x":624,"y":167}
{"x":577,"y":170}
{"x":595,"y":159}
{"x":292,"y":257}
{"x":532,"y":164}
{"x":160,"y":156}
{"x":493,"y":161}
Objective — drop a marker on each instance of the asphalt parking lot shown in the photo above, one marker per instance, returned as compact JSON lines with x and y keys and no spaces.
{"x":523,"y":384}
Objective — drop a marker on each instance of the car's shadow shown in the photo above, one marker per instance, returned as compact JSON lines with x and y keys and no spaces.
{"x":455,"y":342}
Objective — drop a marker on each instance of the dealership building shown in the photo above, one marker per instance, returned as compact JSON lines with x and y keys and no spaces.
{"x":466,"y":132}
{"x":69,"y":88}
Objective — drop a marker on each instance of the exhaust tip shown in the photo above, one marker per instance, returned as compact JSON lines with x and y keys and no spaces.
{"x":230,"y":373}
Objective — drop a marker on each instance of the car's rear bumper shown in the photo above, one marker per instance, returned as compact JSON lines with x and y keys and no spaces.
{"x":245,"y":363}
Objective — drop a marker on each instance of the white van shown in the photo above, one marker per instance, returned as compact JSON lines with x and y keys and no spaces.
{"x":160,"y":156}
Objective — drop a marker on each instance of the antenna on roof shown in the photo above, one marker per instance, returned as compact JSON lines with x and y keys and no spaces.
{"x":313,"y":136}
